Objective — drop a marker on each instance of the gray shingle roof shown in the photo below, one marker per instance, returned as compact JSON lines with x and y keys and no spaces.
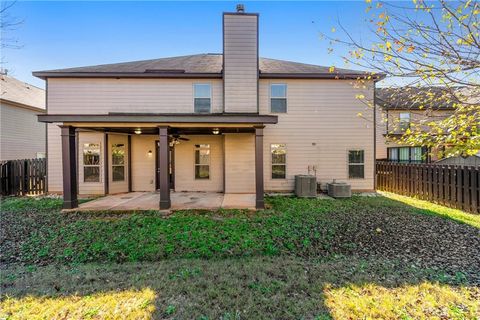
{"x":416,"y":98}
{"x":199,"y":64}
{"x":19,"y":92}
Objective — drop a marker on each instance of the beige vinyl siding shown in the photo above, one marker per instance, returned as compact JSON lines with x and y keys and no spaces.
{"x":319,"y":128}
{"x":418,"y":117}
{"x":94,"y":188}
{"x":54,"y":158}
{"x":143,"y":163}
{"x":239,"y":163}
{"x":117,"y":186}
{"x":21,"y":135}
{"x":392,"y":117}
{"x":185,"y":164}
{"x":380,"y":140}
{"x":100,"y":96}
{"x":240,"y":62}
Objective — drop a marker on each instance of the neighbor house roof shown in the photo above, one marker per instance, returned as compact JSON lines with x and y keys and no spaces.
{"x":201,"y":65}
{"x":415,"y":98}
{"x":21,"y":94}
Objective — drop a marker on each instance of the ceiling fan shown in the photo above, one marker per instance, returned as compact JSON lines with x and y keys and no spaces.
{"x":176,"y":138}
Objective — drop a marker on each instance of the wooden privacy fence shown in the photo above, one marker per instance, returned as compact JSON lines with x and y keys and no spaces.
{"x":22,"y":177}
{"x":451,"y":186}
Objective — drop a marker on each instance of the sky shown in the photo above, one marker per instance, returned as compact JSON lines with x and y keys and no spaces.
{"x":57,"y":35}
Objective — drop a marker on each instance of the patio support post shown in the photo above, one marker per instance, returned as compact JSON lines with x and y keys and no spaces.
{"x":259,"y":201}
{"x":69,"y":164}
{"x":163,"y":168}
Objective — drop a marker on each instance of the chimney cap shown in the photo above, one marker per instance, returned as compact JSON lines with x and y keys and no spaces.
{"x":240,"y":8}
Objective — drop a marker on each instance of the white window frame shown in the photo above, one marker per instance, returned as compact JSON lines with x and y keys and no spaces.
{"x":195,"y":97}
{"x":209,"y":148}
{"x":355,"y":164}
{"x":271,"y":97}
{"x":119,"y":165}
{"x":278,"y":164}
{"x":99,"y":165}
{"x":402,"y":119}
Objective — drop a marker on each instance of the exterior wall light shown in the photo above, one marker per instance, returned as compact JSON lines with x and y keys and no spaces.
{"x":150,"y":153}
{"x":216,"y":131}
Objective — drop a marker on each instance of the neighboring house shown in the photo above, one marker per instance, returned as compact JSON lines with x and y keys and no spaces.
{"x":397,"y":110}
{"x":231,"y":122}
{"x":21,"y":135}
{"x":462,"y":161}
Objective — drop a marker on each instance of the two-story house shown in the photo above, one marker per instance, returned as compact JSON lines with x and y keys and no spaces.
{"x":230,"y":122}
{"x":21,"y":135}
{"x":400,"y":108}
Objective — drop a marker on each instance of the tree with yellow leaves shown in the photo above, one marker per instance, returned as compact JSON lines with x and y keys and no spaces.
{"x":432,"y":49}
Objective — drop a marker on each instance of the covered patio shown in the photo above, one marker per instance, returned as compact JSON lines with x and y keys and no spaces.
{"x":236,"y":160}
{"x":179,"y":201}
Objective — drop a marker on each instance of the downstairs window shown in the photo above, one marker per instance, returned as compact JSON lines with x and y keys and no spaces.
{"x":202,"y":161}
{"x":356,"y":164}
{"x":91,"y":162}
{"x":279,"y":160}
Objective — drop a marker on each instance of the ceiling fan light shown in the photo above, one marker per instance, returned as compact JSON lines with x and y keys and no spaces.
{"x":216,"y":131}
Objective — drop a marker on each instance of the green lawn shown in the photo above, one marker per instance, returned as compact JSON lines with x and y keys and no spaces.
{"x":367,"y":257}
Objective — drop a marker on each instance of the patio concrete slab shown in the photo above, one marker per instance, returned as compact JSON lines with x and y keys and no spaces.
{"x":180,"y":201}
{"x":124,"y":201}
{"x":196,"y":200}
{"x":238,"y":201}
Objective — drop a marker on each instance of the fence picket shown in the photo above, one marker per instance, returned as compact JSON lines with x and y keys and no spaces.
{"x":22,"y":177}
{"x":452,"y":186}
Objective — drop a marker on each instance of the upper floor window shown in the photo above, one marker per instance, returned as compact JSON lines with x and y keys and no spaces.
{"x":279,"y":160}
{"x":202,"y":96}
{"x":356,"y":164}
{"x":404,"y":121}
{"x":91,"y":162}
{"x":202,"y":161}
{"x":278,"y":98}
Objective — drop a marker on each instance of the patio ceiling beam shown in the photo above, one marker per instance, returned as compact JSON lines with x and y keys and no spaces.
{"x":161,"y":118}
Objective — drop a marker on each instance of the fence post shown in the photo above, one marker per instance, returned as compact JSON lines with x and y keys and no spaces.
{"x":466,"y":189}
{"x":474,"y":189}
{"x":12,"y":178}
{"x":25,"y":177}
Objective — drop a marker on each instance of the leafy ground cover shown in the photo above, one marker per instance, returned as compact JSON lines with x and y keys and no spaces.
{"x":366,"y":257}
{"x":426,"y":207}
